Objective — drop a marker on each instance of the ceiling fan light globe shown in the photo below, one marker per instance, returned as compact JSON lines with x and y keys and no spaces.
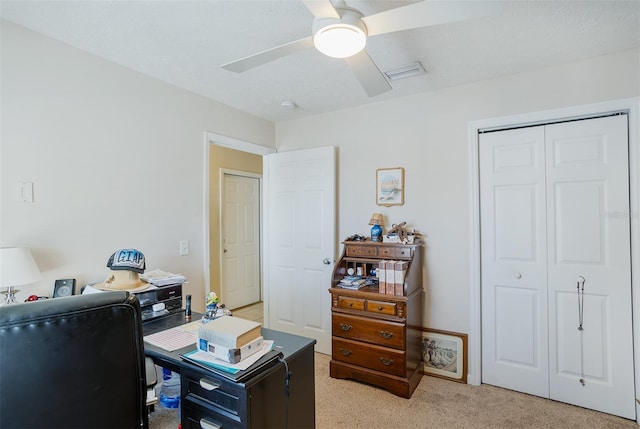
{"x":340,"y":40}
{"x":340,"y":37}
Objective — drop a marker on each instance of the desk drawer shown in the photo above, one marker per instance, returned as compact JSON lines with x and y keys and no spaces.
{"x":350,"y":303}
{"x":355,"y":250}
{"x":199,"y":417}
{"x":383,"y":359}
{"x":387,"y":334}
{"x":216,"y":394}
{"x":382,"y":307}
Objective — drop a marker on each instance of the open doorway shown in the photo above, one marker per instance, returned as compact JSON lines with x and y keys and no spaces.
{"x":226,"y":154}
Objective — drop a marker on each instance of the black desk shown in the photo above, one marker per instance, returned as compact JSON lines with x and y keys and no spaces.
{"x":209,"y":400}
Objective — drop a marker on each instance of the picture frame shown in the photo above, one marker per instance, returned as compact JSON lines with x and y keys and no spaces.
{"x":390,"y":186}
{"x":444,"y":354}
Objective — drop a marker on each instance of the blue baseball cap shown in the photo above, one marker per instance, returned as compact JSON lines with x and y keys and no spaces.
{"x":127,"y":259}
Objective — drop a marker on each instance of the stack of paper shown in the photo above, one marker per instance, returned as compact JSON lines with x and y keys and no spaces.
{"x":162,"y":278}
{"x":175,"y":338}
{"x":355,"y":282}
{"x":210,"y":361}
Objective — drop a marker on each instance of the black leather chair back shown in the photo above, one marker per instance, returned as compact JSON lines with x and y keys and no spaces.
{"x":73,"y":362}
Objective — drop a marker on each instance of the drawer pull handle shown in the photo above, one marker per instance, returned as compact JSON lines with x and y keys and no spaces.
{"x":351,"y":304}
{"x":345,"y":327}
{"x":380,"y":308}
{"x":208,"y":385}
{"x":205,"y":424}
{"x":386,"y":334}
{"x":386,"y":361}
{"x":345,"y":352}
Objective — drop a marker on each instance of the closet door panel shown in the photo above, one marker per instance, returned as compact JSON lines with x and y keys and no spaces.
{"x":514,"y":302}
{"x":589,"y":265}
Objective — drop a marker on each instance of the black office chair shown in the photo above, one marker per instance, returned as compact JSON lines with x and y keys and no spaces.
{"x":74,"y":362}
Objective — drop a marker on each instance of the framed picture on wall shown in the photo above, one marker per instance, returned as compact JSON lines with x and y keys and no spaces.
{"x":444,"y":354}
{"x":390,"y":186}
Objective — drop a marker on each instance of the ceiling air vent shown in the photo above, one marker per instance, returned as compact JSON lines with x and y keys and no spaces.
{"x":412,"y":69}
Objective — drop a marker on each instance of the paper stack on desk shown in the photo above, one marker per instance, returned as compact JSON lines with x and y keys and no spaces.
{"x":207,"y":360}
{"x":355,"y":282}
{"x":162,"y":278}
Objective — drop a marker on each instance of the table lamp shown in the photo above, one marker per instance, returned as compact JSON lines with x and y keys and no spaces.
{"x":17,"y":267}
{"x":376,"y":230}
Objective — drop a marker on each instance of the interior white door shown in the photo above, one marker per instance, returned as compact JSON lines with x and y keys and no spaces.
{"x":241,"y":240}
{"x":554,"y":218}
{"x":589,"y":248}
{"x":514,"y":260}
{"x":300,"y":218}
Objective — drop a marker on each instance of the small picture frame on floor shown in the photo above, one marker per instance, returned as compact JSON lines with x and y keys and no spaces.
{"x":444,"y":354}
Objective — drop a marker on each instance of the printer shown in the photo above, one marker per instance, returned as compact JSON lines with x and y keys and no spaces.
{"x":160,"y":301}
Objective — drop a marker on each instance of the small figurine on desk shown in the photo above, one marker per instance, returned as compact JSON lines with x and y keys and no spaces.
{"x":214,"y":308}
{"x":401,"y":231}
{"x":211,"y":307}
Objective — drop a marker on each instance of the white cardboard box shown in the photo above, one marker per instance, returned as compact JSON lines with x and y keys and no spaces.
{"x":231,"y":355}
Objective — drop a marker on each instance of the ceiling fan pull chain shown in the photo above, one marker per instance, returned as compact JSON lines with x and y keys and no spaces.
{"x":580,"y":288}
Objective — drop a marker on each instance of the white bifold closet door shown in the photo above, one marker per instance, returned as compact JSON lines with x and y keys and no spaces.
{"x":556,"y":263}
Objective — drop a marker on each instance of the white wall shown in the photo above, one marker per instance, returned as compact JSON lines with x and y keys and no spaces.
{"x":427,"y":135}
{"x":116,"y":159}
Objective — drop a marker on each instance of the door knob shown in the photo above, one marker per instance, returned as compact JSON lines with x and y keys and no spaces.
{"x":326,"y":261}
{"x":518,"y":276}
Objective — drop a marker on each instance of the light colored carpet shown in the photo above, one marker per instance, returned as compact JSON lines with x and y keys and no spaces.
{"x":436,"y":403}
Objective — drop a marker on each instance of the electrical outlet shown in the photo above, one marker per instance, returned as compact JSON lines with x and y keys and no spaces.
{"x":184,"y":247}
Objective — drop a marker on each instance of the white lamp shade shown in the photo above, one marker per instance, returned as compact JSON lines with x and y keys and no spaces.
{"x":17,"y":267}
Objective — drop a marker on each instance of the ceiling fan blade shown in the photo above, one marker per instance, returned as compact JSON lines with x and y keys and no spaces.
{"x":255,"y":60}
{"x":370,"y":77}
{"x":428,"y":12}
{"x":321,"y":8}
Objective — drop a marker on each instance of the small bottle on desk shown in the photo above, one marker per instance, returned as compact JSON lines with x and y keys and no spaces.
{"x":187,"y":310}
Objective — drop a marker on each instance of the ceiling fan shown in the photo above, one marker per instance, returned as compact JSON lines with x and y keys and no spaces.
{"x":341,"y":31}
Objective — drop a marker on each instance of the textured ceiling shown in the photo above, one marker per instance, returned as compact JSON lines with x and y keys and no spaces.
{"x":185,"y":42}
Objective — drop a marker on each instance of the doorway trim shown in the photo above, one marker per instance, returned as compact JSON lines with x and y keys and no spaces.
{"x":631,"y":106}
{"x":231,"y":143}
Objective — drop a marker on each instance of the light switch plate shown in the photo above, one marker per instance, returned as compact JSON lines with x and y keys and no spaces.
{"x":25,"y":192}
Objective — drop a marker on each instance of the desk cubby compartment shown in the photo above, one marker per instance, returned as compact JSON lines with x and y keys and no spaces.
{"x":367,"y":255}
{"x":359,"y":267}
